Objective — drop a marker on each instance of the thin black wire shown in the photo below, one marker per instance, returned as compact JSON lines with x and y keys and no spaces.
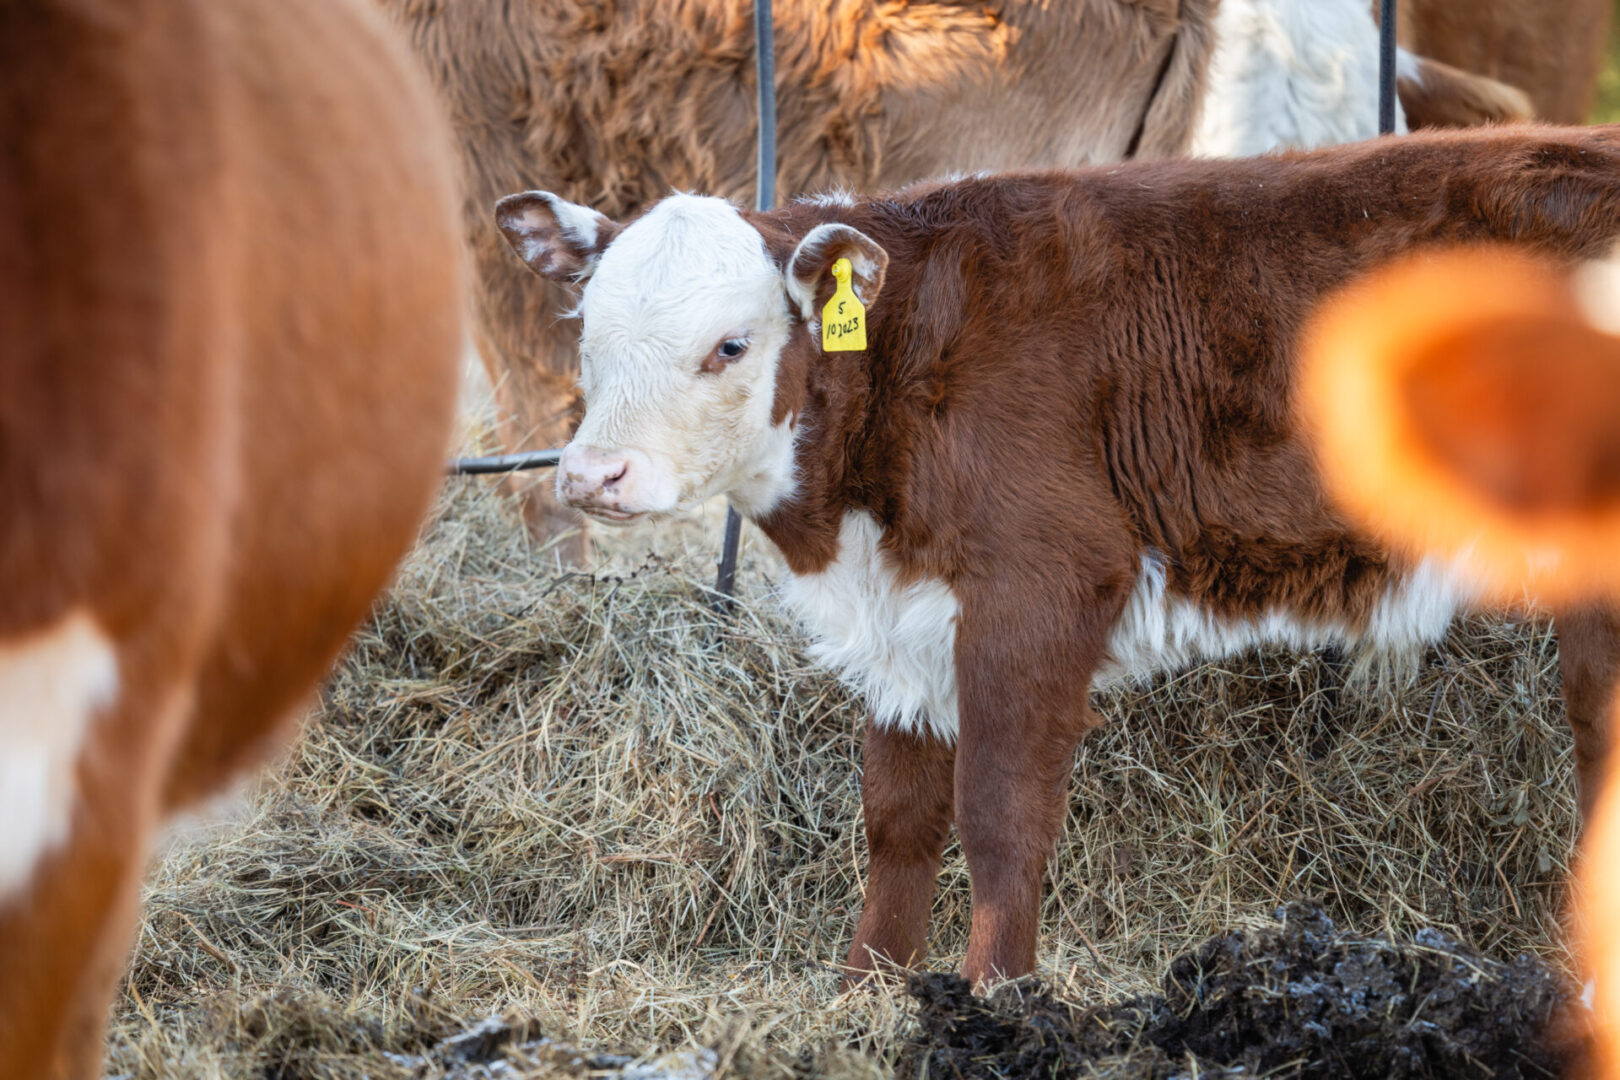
{"x":1386,"y":67}
{"x":764,"y":198}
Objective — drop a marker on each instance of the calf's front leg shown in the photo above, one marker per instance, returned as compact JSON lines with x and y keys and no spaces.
{"x":906,"y":792}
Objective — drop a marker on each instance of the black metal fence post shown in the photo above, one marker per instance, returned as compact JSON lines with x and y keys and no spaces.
{"x":1386,"y":67}
{"x":504,"y":463}
{"x":764,"y":198}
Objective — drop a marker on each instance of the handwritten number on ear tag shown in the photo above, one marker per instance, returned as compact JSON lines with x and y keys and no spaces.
{"x":843,"y":320}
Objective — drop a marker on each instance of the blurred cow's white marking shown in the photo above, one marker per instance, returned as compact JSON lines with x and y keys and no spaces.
{"x":51,"y":685}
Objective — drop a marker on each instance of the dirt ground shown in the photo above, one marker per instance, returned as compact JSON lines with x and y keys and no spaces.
{"x":630,"y":833}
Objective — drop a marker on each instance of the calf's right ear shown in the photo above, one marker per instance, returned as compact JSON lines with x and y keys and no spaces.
{"x":809,"y":273}
{"x":558,"y":239}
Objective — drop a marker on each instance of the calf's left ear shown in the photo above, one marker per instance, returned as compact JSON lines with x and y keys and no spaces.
{"x":809,"y":272}
{"x":558,"y":239}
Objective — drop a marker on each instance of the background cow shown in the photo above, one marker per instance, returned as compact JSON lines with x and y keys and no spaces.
{"x":1067,"y":453}
{"x":1551,"y":51}
{"x":1291,"y":75}
{"x":230,"y":297}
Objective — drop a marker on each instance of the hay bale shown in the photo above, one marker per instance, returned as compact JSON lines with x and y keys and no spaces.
{"x":580,"y":801}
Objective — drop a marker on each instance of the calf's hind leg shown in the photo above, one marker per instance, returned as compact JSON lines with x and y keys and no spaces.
{"x":1589,"y":655}
{"x":1024,"y":690}
{"x":906,"y":791}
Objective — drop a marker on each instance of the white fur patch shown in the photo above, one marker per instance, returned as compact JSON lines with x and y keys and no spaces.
{"x":581,"y":223}
{"x":894,"y":644}
{"x":1408,"y":66}
{"x":838,"y":196}
{"x":1158,"y":631}
{"x":1290,"y":73}
{"x":51,"y":685}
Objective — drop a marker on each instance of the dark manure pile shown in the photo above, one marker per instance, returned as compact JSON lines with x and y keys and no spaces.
{"x":1296,"y":998}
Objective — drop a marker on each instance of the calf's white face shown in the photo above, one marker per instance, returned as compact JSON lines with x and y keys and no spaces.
{"x":685,"y":316}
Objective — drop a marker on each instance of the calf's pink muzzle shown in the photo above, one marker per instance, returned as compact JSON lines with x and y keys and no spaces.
{"x":603,"y":483}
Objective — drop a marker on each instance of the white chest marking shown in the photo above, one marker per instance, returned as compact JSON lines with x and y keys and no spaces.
{"x":51,"y":684}
{"x":894,"y":644}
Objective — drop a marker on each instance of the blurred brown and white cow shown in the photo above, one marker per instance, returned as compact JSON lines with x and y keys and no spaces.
{"x":1067,"y":454}
{"x":230,"y":317}
{"x":1470,"y":401}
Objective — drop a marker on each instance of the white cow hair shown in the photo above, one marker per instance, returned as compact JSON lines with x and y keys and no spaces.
{"x":895,"y":644}
{"x":1291,"y":74}
{"x":581,"y":223}
{"x":52,"y":683}
{"x":675,"y":282}
{"x":836,"y":196}
{"x":1159,"y":631}
{"x":1597,"y":291}
{"x":892,"y":643}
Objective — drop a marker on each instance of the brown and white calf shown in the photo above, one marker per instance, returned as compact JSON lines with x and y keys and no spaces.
{"x":230,"y":320}
{"x":1068,"y":454}
{"x":875,"y":94}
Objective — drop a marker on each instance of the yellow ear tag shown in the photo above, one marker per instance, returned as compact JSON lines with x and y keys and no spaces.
{"x":843,"y":320}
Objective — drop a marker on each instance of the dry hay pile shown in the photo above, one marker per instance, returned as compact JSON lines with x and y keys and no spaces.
{"x":583,"y":804}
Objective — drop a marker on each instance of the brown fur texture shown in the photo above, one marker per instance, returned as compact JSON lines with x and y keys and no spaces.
{"x":1067,"y":370}
{"x":614,"y":103}
{"x":1550,"y":49}
{"x":230,"y":292}
{"x":1445,"y":96}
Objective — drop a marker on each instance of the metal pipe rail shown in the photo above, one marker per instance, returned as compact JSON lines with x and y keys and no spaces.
{"x":725,"y":583}
{"x":503,"y":463}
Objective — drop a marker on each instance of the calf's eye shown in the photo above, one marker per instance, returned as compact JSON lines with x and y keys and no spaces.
{"x":724,"y":353}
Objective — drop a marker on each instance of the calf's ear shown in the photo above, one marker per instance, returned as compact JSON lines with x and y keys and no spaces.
{"x":809,"y":273}
{"x":558,"y":239}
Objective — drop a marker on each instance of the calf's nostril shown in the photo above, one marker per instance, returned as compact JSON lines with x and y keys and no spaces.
{"x":616,"y":476}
